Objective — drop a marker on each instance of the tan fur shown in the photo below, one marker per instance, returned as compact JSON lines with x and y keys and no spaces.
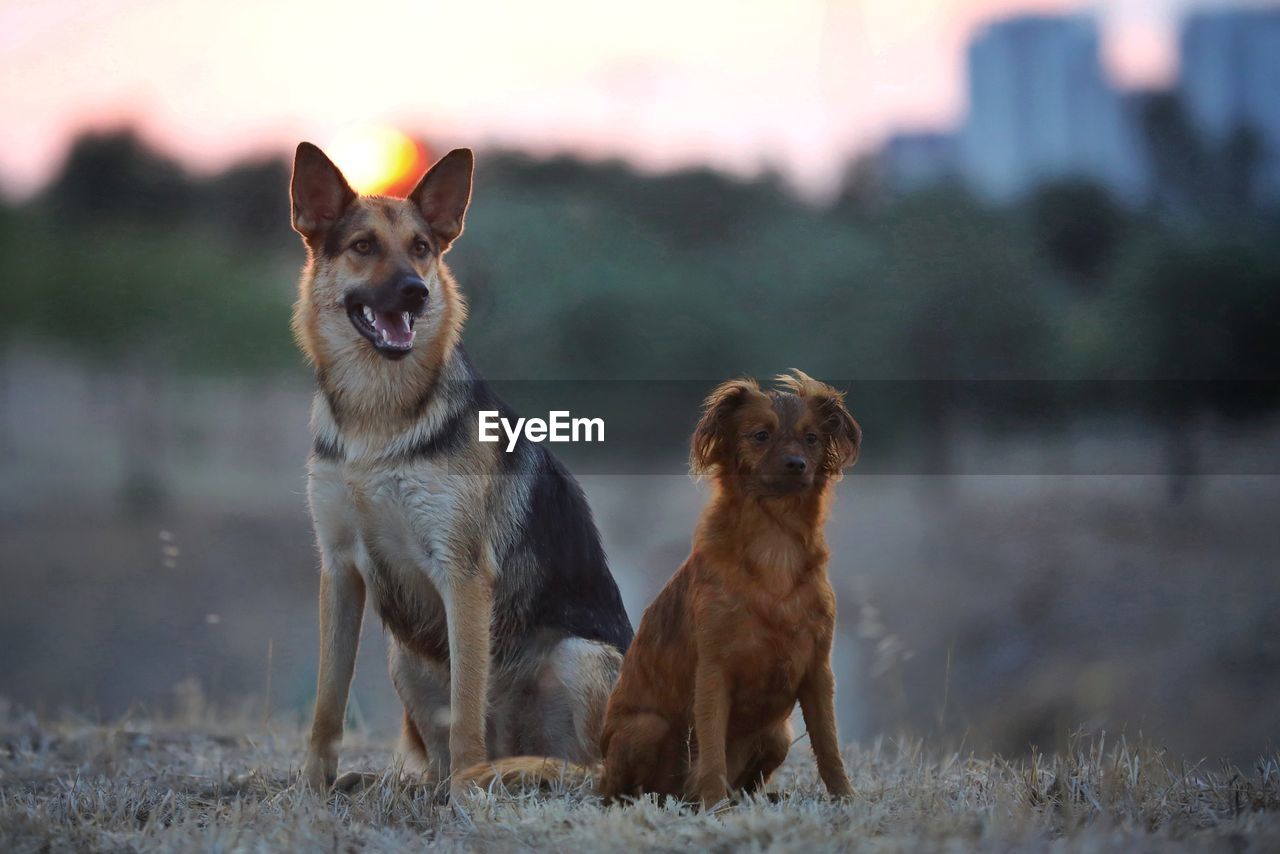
{"x":518,"y":772}
{"x":417,"y":534}
{"x":341,"y":611}
{"x":469,"y":630}
{"x":368,"y":398}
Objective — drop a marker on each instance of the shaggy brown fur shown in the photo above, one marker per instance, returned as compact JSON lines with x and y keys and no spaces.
{"x":744,"y":629}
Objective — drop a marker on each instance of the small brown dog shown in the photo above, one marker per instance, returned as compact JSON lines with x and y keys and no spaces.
{"x":744,"y":629}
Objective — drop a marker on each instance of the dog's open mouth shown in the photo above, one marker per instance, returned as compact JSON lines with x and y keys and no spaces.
{"x":391,"y":332}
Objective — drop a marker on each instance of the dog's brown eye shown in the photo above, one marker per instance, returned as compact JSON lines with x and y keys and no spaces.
{"x":812,"y":438}
{"x":362,"y":247}
{"x":420,"y":247}
{"x":761,"y":436}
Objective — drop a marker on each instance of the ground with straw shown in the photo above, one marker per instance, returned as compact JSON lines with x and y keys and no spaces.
{"x":146,"y":786}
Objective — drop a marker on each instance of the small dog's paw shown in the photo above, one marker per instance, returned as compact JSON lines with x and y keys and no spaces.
{"x":712,"y":798}
{"x":841,"y":795}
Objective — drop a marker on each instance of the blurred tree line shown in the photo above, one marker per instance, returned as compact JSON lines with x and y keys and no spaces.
{"x":590,"y":270}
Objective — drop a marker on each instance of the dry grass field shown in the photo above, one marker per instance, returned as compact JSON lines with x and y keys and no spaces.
{"x":143,"y":785}
{"x":981,"y":616}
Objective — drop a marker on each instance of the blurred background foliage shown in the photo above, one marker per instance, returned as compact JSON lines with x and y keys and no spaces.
{"x":590,"y":270}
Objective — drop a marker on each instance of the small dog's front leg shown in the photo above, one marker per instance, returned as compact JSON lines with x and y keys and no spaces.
{"x":470,"y":611}
{"x":817,"y":703}
{"x":341,"y":612}
{"x":710,"y":721}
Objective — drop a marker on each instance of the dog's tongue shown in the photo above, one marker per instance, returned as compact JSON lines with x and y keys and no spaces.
{"x":393,"y":328}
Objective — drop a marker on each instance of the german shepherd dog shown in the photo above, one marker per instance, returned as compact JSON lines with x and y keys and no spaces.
{"x":507,"y":630}
{"x":744,"y":628}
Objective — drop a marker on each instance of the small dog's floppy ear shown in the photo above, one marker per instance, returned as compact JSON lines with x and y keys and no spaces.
{"x":444,"y":193}
{"x":318,"y":192}
{"x":712,"y":440}
{"x":843,"y":435}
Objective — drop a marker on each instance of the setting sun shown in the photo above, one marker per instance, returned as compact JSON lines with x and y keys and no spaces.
{"x":377,"y":159}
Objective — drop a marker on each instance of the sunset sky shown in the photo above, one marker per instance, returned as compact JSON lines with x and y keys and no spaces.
{"x":740,"y":84}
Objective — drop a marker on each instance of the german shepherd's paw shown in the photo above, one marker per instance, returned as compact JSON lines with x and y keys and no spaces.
{"x":355,"y":781}
{"x":318,"y":773}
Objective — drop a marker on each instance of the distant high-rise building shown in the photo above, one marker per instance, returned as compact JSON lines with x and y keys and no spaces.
{"x":1230,"y":79}
{"x":1041,"y":108}
{"x":918,"y":161}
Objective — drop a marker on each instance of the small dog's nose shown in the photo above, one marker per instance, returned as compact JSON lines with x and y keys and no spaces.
{"x":413,"y":288}
{"x":793,"y":463}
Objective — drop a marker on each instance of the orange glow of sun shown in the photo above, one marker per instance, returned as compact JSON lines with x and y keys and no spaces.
{"x":377,"y":159}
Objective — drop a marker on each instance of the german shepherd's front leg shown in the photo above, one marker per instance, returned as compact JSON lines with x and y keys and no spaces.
{"x":469,"y":608}
{"x":341,"y":612}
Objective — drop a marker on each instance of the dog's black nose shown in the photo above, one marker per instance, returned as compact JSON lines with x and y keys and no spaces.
{"x":412,"y":287}
{"x":793,"y":463}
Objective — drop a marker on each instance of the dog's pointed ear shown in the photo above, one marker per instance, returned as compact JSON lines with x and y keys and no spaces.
{"x":444,"y":193}
{"x":318,"y":191}
{"x":712,"y":446}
